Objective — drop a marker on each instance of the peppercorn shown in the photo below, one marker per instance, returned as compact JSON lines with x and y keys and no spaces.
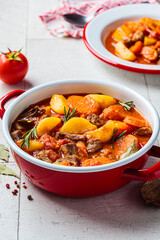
{"x":25,"y":187}
{"x":30,"y":197}
{"x":7,"y":186}
{"x":15,"y":192}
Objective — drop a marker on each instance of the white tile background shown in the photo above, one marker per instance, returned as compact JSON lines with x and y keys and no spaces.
{"x":118,"y":215}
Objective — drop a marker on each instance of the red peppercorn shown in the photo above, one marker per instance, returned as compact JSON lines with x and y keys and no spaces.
{"x":25,"y":187}
{"x":15,"y":182}
{"x":23,"y":182}
{"x":7,"y":186}
{"x":15,"y":192}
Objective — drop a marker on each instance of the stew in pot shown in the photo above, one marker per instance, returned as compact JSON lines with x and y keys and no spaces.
{"x":81,"y":130}
{"x":138,"y":42}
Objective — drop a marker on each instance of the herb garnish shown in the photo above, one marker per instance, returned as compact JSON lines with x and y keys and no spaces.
{"x":127,"y":105}
{"x":27,"y":137}
{"x":120,"y":136}
{"x":67,"y":115}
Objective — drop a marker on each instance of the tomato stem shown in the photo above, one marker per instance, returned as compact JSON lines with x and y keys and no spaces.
{"x":13,"y":55}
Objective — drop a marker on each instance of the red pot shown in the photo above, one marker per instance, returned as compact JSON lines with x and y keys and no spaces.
{"x":82,"y":181}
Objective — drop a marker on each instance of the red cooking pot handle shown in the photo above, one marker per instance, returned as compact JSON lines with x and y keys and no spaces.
{"x":145,"y":174}
{"x":5,"y":98}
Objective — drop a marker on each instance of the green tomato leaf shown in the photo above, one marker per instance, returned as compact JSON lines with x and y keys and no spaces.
{"x":4,"y":153}
{"x":4,"y":170}
{"x":132,"y":149}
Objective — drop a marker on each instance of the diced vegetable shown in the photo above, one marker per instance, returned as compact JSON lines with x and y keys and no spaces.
{"x":77,"y":125}
{"x":84,"y":105}
{"x":120,"y":33}
{"x":148,"y":22}
{"x":135,"y":121}
{"x":133,"y":26}
{"x":114,"y":112}
{"x":46,"y":125}
{"x":124,"y":52}
{"x":96,"y":161}
{"x":149,"y":53}
{"x":136,"y":47}
{"x":149,"y":41}
{"x":58,"y":102}
{"x":121,"y":126}
{"x":104,"y":133}
{"x":157,"y":45}
{"x":33,"y":145}
{"x":82,"y":150}
{"x":48,"y":110}
{"x":103,"y":100}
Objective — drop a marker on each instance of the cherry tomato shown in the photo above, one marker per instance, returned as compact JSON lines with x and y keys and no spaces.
{"x":13,"y":67}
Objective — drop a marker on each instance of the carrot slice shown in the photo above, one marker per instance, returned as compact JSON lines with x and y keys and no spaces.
{"x":136,"y":48}
{"x":114,"y":112}
{"x":121,"y":126}
{"x":149,"y":53}
{"x":135,"y":121}
{"x":120,"y":146}
{"x":84,"y":105}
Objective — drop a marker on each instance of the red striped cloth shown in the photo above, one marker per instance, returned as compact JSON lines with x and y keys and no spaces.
{"x":58,"y":27}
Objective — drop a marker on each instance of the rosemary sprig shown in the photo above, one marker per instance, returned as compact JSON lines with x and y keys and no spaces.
{"x":127,"y":105}
{"x":120,"y":136}
{"x":67,"y":115}
{"x":28,"y":136}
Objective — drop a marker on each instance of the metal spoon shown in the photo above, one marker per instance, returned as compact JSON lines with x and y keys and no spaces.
{"x":80,"y":20}
{"x":77,"y":19}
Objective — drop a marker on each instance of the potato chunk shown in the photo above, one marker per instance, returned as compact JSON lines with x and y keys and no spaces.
{"x":34,"y":145}
{"x":149,"y":41}
{"x":120,"y":33}
{"x":46,"y":125}
{"x":124,"y":52}
{"x":77,"y":125}
{"x":103,"y":100}
{"x":104,"y":133}
{"x":58,"y":102}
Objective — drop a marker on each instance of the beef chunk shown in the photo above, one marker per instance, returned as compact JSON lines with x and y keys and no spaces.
{"x":36,"y":111}
{"x":93,"y":145}
{"x":16,"y":135}
{"x":138,"y":36}
{"x":94,"y":119}
{"x":144,"y":131}
{"x":127,"y":41}
{"x":72,"y":160}
{"x":74,"y":137}
{"x":42,"y":155}
{"x":47,"y":155}
{"x":69,"y":149}
{"x":21,"y":125}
